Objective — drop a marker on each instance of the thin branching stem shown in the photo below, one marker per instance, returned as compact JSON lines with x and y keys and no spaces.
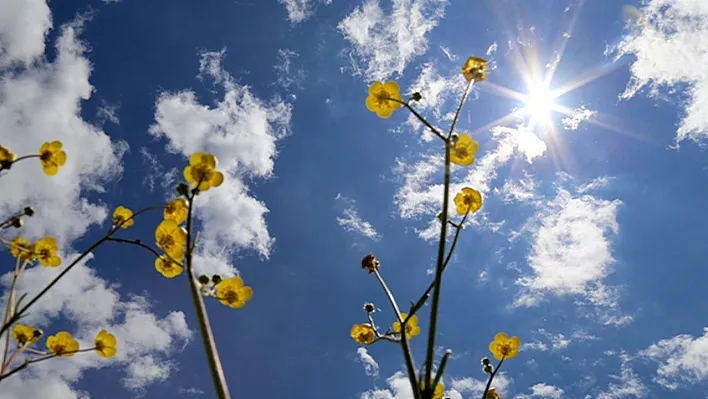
{"x":9,"y":310}
{"x":430,"y":353}
{"x":491,"y":378}
{"x":149,"y":248}
{"x":30,"y":361}
{"x":217,"y":371}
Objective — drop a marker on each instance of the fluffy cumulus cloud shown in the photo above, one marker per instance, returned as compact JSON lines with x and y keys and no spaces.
{"x":474,"y":388}
{"x":242,"y":131}
{"x":542,"y":390}
{"x":683,"y":360}
{"x":146,"y":342}
{"x":571,"y":249}
{"x":385,"y":39}
{"x":351,"y":221}
{"x":572,"y":122}
{"x":419,"y":196}
{"x":667,"y":37}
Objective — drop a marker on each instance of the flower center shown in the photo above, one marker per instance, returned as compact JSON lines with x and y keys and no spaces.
{"x":59,"y":349}
{"x":45,"y":156}
{"x":167,"y":241}
{"x":231,"y":297}
{"x":44,"y":253}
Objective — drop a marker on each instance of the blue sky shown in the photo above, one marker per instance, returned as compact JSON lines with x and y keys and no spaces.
{"x":588,"y":246}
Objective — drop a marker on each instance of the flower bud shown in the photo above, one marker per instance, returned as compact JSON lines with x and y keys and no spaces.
{"x":182,"y":189}
{"x":203,"y":280}
{"x":485,"y":361}
{"x":369,"y":307}
{"x":416,"y":96}
{"x":370,"y":263}
{"x":5,"y":164}
{"x":37,"y":333}
{"x":16,"y":222}
{"x":28,"y":211}
{"x":216,"y":279}
{"x":488,"y":369}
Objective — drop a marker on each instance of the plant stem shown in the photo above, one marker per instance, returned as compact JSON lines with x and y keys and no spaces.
{"x":9,"y":310}
{"x":217,"y":371}
{"x":410,"y":365}
{"x":441,"y":248}
{"x":491,"y":377}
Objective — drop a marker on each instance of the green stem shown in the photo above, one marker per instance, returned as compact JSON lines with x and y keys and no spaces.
{"x":441,"y":248}
{"x":408,"y":356}
{"x":491,"y":378}
{"x":217,"y":371}
{"x":9,"y":310}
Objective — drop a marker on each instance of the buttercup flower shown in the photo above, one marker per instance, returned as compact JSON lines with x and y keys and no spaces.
{"x":177,"y":210}
{"x":438,"y":392}
{"x":25,"y":335}
{"x":475,"y":69}
{"x":202,"y":171}
{"x":62,"y":344}
{"x":6,"y":155}
{"x":412,"y":328}
{"x":462,"y":153}
{"x":27,"y":251}
{"x":171,"y":238}
{"x":166,"y":267}
{"x":504,"y":347}
{"x":363,"y":333}
{"x":105,"y":344}
{"x":492,"y":394}
{"x":468,"y":200}
{"x":378,"y":99}
{"x":46,"y":251}
{"x":123,"y":217}
{"x":52,"y":157}
{"x":370,"y":263}
{"x":231,"y":292}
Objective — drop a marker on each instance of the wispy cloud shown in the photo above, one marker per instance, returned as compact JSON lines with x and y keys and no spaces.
{"x":371,"y":368}
{"x":351,"y":221}
{"x":572,"y":122}
{"x":668,"y":41}
{"x":627,"y":384}
{"x":300,"y":10}
{"x":108,"y":113}
{"x":289,"y":73}
{"x":682,"y":360}
{"x":242,"y":131}
{"x":383,"y":43}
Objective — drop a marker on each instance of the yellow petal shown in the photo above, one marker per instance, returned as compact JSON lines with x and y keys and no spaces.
{"x":375,"y":87}
{"x":501,"y":337}
{"x":384,"y":113}
{"x":392,"y":88}
{"x":60,"y":158}
{"x":51,"y":170}
{"x":245,"y":294}
{"x":216,"y":179}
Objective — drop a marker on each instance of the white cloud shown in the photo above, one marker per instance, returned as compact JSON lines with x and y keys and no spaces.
{"x":597,"y":183}
{"x":448,"y":53}
{"x":242,"y":131}
{"x":300,"y":10}
{"x":289,"y":74}
{"x":108,"y":112}
{"x":522,"y":191}
{"x":571,"y":249}
{"x":399,"y":388}
{"x":154,"y":171}
{"x":23,"y":26}
{"x":546,"y":391}
{"x":683,"y":360}
{"x":383,"y":43}
{"x":351,"y":221}
{"x":474,"y":388}
{"x":371,"y":368}
{"x":42,"y":102}
{"x":627,"y":384}
{"x":668,"y":41}
{"x":418,"y":196}
{"x":572,"y":122}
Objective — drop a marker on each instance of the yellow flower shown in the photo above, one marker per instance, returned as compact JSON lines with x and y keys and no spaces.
{"x":363,"y":333}
{"x":462,"y":153}
{"x":231,"y":292}
{"x":492,"y":394}
{"x":105,"y":344}
{"x":378,"y":99}
{"x":171,"y":238}
{"x":25,"y":335}
{"x":412,"y":328}
{"x":202,"y":171}
{"x":6,"y":155}
{"x":166,"y":267}
{"x":62,"y":344}
{"x":475,"y":69}
{"x":123,"y":217}
{"x":468,"y":200}
{"x":27,"y":251}
{"x":46,"y":251}
{"x":438,"y":392}
{"x":52,"y":157}
{"x":177,"y":210}
{"x":504,"y":347}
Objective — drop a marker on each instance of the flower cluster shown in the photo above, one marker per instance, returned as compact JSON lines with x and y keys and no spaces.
{"x":62,"y":344}
{"x":51,"y":157}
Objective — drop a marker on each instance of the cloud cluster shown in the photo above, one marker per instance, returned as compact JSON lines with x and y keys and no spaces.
{"x":668,"y":41}
{"x":682,"y":359}
{"x":241,"y":130}
{"x":383,"y":43}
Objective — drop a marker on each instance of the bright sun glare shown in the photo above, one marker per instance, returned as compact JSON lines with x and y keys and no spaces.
{"x":538,"y":104}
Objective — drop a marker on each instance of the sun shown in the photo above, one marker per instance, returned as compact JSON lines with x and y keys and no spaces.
{"x":538,"y":104}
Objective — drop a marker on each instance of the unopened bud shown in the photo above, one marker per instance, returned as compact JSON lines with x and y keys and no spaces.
{"x":16,"y":222}
{"x":182,"y":189}
{"x":28,"y":211}
{"x":485,"y":361}
{"x":370,"y":263}
{"x":5,"y":164}
{"x":37,"y":333}
{"x":216,"y":279}
{"x":369,"y":307}
{"x":416,"y":96}
{"x":488,"y":369}
{"x":203,"y":280}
